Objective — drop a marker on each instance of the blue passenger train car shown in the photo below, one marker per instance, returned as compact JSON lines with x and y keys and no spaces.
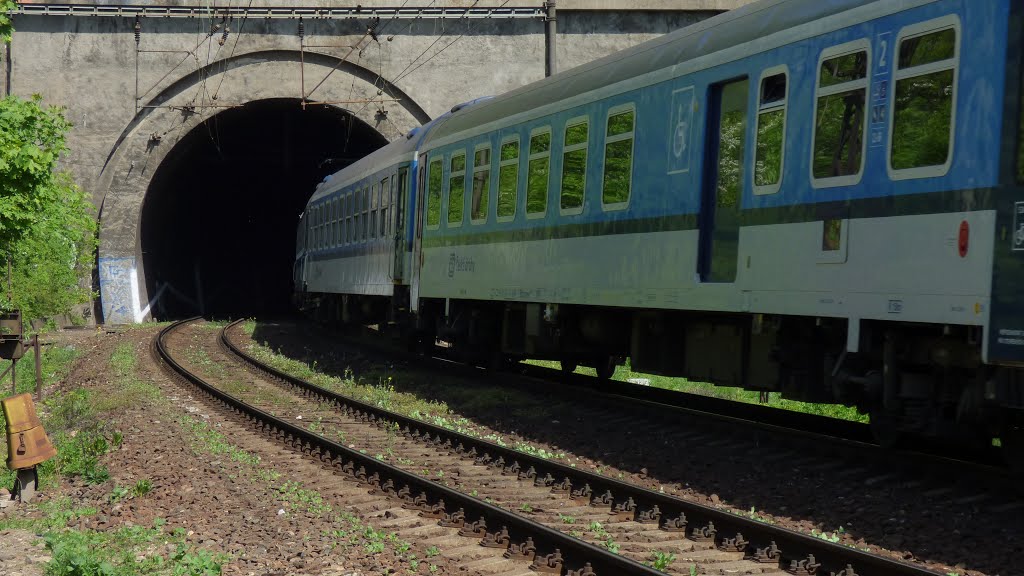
{"x":818,"y":198}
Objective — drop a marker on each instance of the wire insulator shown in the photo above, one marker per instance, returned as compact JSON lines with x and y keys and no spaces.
{"x":138,"y":31}
{"x":302,"y":28}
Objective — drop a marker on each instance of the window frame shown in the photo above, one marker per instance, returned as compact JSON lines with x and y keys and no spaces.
{"x":859,"y":45}
{"x":613,"y":111}
{"x":488,"y":167}
{"x":366,"y":211}
{"x":575,"y":121}
{"x":441,"y":197}
{"x":349,"y":224}
{"x":767,"y":73}
{"x":335,"y":225}
{"x":546,"y":129}
{"x":501,"y":164}
{"x":447,"y":187}
{"x":947,"y":22}
{"x":392,"y":202}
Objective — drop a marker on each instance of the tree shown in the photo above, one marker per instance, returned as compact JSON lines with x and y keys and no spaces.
{"x":46,"y":226}
{"x":6,"y":27}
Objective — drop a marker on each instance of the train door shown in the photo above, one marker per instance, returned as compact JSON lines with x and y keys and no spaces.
{"x":398,"y":201}
{"x":723,"y":181}
{"x":419,"y":186}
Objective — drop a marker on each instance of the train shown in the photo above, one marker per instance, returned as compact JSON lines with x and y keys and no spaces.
{"x":819,"y":199}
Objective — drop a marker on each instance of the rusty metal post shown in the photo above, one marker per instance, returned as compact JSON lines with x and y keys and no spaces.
{"x":550,"y":64}
{"x":39,"y":369}
{"x":7,"y":69}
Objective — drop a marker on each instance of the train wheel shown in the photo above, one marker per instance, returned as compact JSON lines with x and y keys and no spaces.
{"x":605,"y":367}
{"x":569,"y":365}
{"x":1012,"y":446}
{"x":885,"y":428}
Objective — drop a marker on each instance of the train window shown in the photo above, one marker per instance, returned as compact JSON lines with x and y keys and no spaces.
{"x":769,"y":148}
{"x":385,"y":195}
{"x":320,"y":220}
{"x":357,"y":211}
{"x":574,"y":165}
{"x":391,"y":202}
{"x":1020,"y":138}
{"x":434,"y":180}
{"x":618,"y":157}
{"x":367,"y":218}
{"x":537,"y":172}
{"x":839,"y":124}
{"x":350,"y":229}
{"x":323,"y":223}
{"x":456,"y":188}
{"x":923,"y":100}
{"x":508,"y":179}
{"x":481,"y":184}
{"x":335,"y":226}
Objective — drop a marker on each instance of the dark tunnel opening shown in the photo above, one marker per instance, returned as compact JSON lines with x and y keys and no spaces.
{"x":218,"y":221}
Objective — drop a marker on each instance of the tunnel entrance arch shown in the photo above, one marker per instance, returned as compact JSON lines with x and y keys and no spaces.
{"x":218,"y":221}
{"x":185,"y":160}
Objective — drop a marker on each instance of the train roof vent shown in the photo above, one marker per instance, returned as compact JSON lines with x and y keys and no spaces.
{"x":413,"y":132}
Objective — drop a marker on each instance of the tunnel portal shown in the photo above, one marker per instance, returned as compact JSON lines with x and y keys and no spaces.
{"x":218,"y":222}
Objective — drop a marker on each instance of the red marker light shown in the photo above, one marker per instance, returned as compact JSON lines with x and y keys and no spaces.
{"x":964,"y":239}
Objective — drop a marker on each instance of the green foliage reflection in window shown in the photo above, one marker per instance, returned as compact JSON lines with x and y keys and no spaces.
{"x":574,"y":166}
{"x":481,"y":184}
{"x":839,"y":127}
{"x":771,"y":127}
{"x":732,"y":143}
{"x":1020,"y":138}
{"x":434,"y":180}
{"x":618,"y":159}
{"x":537,"y":173}
{"x":508,"y":180}
{"x":923,"y":101}
{"x":456,"y":188}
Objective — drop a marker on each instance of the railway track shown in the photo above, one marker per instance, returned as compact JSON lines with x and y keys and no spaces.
{"x":610,"y":514}
{"x":506,"y":543}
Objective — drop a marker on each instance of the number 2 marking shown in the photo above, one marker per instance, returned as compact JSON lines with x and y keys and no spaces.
{"x":884,"y":45}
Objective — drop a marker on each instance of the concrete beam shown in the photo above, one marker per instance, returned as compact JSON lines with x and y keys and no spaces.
{"x":567,"y":5}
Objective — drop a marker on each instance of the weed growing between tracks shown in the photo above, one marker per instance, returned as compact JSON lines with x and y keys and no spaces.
{"x":348,"y":529}
{"x":74,"y":421}
{"x":382,"y":394}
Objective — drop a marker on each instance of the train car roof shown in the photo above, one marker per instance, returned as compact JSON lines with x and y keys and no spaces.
{"x":727,"y":30}
{"x":387,"y":155}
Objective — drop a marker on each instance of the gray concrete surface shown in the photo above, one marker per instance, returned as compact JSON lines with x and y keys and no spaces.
{"x":87,"y":64}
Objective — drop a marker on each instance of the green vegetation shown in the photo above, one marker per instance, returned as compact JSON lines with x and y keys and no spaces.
{"x":6,"y":27}
{"x":124,"y":552}
{"x":833,"y":537}
{"x":662,"y":560}
{"x":74,"y":423}
{"x":625,"y":373}
{"x":132,"y":391}
{"x":47,"y":226}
